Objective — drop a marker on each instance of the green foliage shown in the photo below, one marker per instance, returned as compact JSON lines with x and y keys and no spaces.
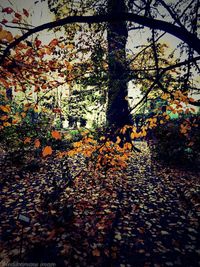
{"x":75,"y":135}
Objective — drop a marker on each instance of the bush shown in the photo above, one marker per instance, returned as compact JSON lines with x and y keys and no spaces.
{"x":173,"y":147}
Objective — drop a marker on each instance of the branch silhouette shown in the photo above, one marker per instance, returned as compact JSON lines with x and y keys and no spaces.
{"x":181,"y":33}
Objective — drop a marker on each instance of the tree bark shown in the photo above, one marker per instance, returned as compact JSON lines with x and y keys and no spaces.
{"x":117,"y":110}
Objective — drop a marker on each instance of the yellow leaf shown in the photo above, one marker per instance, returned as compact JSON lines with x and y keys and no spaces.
{"x":118,"y":140}
{"x":127,"y":146}
{"x":167,"y":117}
{"x":71,"y":153}
{"x":70,"y":46}
{"x":6,"y":124}
{"x":23,"y":114}
{"x":6,"y":35}
{"x":123,"y":130}
{"x":56,"y":135}
{"x":4,"y":118}
{"x":87,"y":153}
{"x":47,"y":151}
{"x":144,"y":133}
{"x":77,"y":144}
{"x":36,"y":109}
{"x":96,"y":252}
{"x":5,"y":108}
{"x":164,"y":96}
{"x":37,"y":143}
{"x":133,"y":136}
{"x":68,"y":65}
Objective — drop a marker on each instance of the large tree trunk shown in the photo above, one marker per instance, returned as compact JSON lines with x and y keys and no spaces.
{"x":117,"y":110}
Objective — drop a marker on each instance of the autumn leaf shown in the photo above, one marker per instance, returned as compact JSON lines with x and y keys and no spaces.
{"x":56,"y":110}
{"x":47,"y":151}
{"x":118,"y":140}
{"x":8,"y":10}
{"x":5,"y":109}
{"x":6,"y":124}
{"x":15,"y":21}
{"x":4,"y":118}
{"x":56,"y":135}
{"x":96,"y":252}
{"x":23,"y":114}
{"x":25,"y":12}
{"x":6,"y":36}
{"x":37,"y":143}
{"x":167,"y":117}
{"x":4,"y":21}
{"x":68,"y":65}
{"x":27,"y":140}
{"x":164,"y":96}
{"x":133,"y":135}
{"x":37,"y":43}
{"x":18,"y":16}
{"x":127,"y":146}
{"x":70,"y":46}
{"x":53,"y":43}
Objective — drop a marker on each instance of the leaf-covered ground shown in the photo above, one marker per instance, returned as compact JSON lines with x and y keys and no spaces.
{"x":145,"y":216}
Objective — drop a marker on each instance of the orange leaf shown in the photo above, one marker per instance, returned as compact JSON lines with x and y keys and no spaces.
{"x":127,"y":146}
{"x":37,"y":143}
{"x":5,"y":109}
{"x":27,"y":140}
{"x":56,"y":135}
{"x":47,"y":151}
{"x":118,"y":140}
{"x":6,"y":35}
{"x":133,"y":135}
{"x":4,"y":118}
{"x":6,"y":124}
{"x":4,"y":82}
{"x":96,"y":252}
{"x":23,"y":114}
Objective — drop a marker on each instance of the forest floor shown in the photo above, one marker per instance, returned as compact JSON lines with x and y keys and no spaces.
{"x":147,"y":215}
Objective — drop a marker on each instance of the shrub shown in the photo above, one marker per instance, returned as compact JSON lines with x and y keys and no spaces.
{"x":174,"y":147}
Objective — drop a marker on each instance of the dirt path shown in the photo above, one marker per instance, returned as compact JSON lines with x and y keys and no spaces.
{"x":145,"y":216}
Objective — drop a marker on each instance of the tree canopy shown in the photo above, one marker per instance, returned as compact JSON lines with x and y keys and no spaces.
{"x":93,"y":50}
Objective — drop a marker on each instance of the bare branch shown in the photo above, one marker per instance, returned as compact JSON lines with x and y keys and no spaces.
{"x":181,"y":33}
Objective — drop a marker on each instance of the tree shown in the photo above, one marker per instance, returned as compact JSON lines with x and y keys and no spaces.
{"x":182,"y":23}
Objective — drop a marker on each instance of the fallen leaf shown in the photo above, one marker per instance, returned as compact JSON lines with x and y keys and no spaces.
{"x":56,"y":135}
{"x":96,"y":252}
{"x":37,"y":143}
{"x":47,"y":151}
